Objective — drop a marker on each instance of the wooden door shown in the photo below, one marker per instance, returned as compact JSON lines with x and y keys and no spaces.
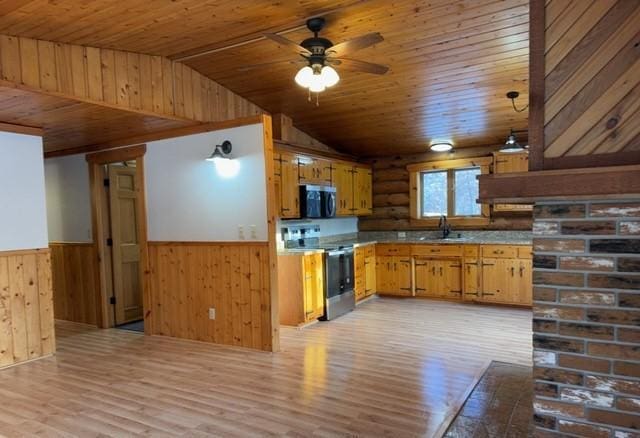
{"x":359,"y":262}
{"x":289,"y":187}
{"x":362,"y":199}
{"x":370,"y":275}
{"x":497,"y":279}
{"x":343,"y":181}
{"x":471,"y":279}
{"x":123,"y":195}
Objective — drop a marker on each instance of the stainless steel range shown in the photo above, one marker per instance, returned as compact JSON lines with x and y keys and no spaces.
{"x":339,"y":296}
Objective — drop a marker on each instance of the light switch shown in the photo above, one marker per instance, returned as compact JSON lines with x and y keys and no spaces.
{"x":241,"y":232}
{"x":254,"y":233}
{"x":212,"y":313}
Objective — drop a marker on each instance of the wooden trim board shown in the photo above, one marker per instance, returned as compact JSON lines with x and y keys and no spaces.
{"x":536,"y":84}
{"x":21,"y":129}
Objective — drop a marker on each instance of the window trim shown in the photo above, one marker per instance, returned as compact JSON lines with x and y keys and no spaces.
{"x":415,"y":190}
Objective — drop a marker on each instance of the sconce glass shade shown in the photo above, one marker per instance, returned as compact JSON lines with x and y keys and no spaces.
{"x":225,"y":165}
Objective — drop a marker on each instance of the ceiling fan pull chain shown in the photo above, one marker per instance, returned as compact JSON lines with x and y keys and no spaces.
{"x":309,"y":98}
{"x":317,"y":99}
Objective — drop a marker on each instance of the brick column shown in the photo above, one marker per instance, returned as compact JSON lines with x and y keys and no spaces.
{"x":587,"y":318}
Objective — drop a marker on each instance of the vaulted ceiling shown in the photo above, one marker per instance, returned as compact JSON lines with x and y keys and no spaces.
{"x":451,"y":62}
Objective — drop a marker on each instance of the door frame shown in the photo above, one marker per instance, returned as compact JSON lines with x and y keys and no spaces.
{"x":95,"y":160}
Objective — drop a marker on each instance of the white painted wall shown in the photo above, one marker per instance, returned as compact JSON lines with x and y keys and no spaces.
{"x":187,"y":200}
{"x":23,"y":217}
{"x":68,"y":199}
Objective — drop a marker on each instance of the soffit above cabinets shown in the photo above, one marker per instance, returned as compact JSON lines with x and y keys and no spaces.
{"x":451,"y":62}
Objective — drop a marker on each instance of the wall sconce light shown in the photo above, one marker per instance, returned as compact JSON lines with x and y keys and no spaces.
{"x":225,"y":165}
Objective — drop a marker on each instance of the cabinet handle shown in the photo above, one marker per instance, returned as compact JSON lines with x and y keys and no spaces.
{"x":498,"y":251}
{"x":395,"y":266}
{"x":420,"y":288}
{"x":433,"y":270}
{"x":521,"y":270}
{"x":441,"y":271}
{"x":488,"y":264}
{"x":435,"y":250}
{"x":471,"y":293}
{"x":468,"y":269}
{"x":421,"y":264}
{"x":512,"y":271}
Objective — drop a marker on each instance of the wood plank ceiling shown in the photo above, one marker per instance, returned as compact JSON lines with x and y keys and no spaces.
{"x":451,"y":62}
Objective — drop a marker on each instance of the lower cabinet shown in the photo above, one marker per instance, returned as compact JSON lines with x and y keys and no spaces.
{"x":438,"y":278}
{"x":507,"y":281}
{"x":365,"y":271}
{"x":393,"y":275}
{"x":301,"y":288}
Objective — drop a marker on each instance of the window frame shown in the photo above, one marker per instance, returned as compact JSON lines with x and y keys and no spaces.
{"x":416,"y":188}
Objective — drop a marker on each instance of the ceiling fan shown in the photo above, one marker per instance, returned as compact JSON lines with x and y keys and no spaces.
{"x":319,"y":55}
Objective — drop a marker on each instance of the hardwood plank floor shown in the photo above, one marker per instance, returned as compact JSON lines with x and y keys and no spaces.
{"x":394,"y":367}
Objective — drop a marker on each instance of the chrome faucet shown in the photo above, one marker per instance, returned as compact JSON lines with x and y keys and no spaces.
{"x":444,"y":226}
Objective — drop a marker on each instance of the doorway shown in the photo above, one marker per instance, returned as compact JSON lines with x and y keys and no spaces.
{"x":119,"y":228}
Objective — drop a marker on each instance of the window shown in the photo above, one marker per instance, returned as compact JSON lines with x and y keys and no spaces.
{"x":448,"y":188}
{"x":460,"y":185}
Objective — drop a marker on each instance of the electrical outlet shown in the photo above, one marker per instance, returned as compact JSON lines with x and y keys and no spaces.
{"x":212,"y":313}
{"x":254,"y":233}
{"x":241,"y":232}
{"x":402,"y":235}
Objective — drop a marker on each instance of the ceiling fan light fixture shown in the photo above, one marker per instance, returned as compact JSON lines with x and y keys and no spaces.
{"x":304,"y":76}
{"x":329,"y":76}
{"x":441,"y":146}
{"x":317,"y":84}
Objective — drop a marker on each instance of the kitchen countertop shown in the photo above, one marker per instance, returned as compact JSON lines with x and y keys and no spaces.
{"x":427,"y":241}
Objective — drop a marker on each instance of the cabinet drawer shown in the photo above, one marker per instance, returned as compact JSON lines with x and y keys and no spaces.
{"x":437,"y":250}
{"x":525,"y":252}
{"x":471,"y":251}
{"x":502,"y":251}
{"x":393,"y":250}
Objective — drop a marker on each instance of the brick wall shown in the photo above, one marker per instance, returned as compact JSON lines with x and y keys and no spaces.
{"x":587,"y":319}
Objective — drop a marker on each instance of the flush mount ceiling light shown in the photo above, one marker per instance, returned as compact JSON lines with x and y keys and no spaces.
{"x":220,"y":151}
{"x":441,"y":146}
{"x":512,"y":145}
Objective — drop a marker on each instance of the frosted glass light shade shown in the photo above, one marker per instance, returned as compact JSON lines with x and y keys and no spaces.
{"x":304,"y":77}
{"x":329,"y":76}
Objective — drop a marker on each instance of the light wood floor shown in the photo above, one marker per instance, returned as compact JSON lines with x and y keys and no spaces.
{"x":394,"y":367}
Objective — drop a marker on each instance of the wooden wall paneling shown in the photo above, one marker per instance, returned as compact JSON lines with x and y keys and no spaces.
{"x":26,"y":308}
{"x":75,"y":282}
{"x":188,"y":278}
{"x":592,"y":64}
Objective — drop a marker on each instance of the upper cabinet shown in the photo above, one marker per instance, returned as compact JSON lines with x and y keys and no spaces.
{"x":508,"y":162}
{"x":353,"y":183}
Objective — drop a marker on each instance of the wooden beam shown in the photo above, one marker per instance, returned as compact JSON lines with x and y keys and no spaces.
{"x":21,"y":129}
{"x":536,"y":83}
{"x":598,"y":160}
{"x":160,"y":135}
{"x":117,"y":155}
{"x":526,"y":187}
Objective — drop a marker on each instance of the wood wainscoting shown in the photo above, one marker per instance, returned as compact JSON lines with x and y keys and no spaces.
{"x":186,"y":279}
{"x":26,"y":306}
{"x":75,"y":281}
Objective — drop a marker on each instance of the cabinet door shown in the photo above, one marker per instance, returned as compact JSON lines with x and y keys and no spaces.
{"x":289,"y":188}
{"x":306,"y":170}
{"x":362,"y":199}
{"x":498,"y":277}
{"x":370,"y":276}
{"x":360,"y":273}
{"x":384,"y":274}
{"x":504,"y":162}
{"x":471,"y":279}
{"x":426,"y":278}
{"x":322,"y":172}
{"x":524,"y":290}
{"x":451,"y":278}
{"x":313,"y":286}
{"x":343,"y":181}
{"x":402,"y":267}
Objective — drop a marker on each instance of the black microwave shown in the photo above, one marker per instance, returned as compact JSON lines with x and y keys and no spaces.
{"x":317,"y":201}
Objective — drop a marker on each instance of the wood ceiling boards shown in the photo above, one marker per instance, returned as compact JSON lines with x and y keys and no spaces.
{"x":451,"y":62}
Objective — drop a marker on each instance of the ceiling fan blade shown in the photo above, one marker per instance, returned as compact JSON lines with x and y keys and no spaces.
{"x":360,"y":66}
{"x":350,"y":46}
{"x":287,"y":43}
{"x":265,"y":64}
